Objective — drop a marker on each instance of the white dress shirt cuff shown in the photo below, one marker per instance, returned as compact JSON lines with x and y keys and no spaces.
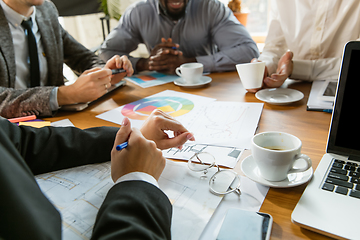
{"x":302,"y":70}
{"x":54,"y":106}
{"x":141,"y":176}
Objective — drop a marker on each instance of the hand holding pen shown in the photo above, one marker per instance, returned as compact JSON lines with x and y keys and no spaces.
{"x":140,"y":155}
{"x":121,"y":146}
{"x":120,"y":67}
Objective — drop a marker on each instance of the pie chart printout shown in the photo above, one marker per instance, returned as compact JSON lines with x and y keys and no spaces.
{"x":141,"y":109}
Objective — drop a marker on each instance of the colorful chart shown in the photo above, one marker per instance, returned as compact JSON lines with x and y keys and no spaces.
{"x":174,"y":106}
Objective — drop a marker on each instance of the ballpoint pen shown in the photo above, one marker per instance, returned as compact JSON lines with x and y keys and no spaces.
{"x":121,"y":146}
{"x":116,"y":71}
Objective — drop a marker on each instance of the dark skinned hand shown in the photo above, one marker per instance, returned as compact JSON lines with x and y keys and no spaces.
{"x":164,"y":57}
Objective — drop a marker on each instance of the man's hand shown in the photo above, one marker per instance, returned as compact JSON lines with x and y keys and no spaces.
{"x":94,"y":83}
{"x":119,"y":62}
{"x":91,"y":85}
{"x":284,"y":70}
{"x":166,"y":62}
{"x":157,"y":123}
{"x":164,"y":57}
{"x":141,"y":155}
{"x":166,"y":44}
{"x":254,"y":90}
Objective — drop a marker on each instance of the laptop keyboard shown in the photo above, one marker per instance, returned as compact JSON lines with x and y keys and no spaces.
{"x":343,"y":178}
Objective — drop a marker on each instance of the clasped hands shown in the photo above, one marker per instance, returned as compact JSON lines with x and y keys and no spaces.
{"x":164,"y":57}
{"x":94,"y":83}
{"x":143,"y":152}
{"x":283,"y":71}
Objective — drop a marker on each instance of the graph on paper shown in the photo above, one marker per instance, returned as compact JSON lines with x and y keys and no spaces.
{"x":141,"y":109}
{"x":218,"y":122}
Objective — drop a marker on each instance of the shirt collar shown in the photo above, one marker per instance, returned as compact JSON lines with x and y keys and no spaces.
{"x":14,"y":17}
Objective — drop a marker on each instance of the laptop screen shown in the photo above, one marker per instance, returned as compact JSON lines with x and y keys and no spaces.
{"x":345,"y":124}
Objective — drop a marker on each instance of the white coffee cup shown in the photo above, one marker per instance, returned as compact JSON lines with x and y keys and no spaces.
{"x":190,"y":72}
{"x":276,"y":153}
{"x":251,"y":74}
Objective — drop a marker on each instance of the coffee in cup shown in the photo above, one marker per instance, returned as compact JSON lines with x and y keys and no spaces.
{"x":190,"y":72}
{"x":251,"y":74}
{"x":275,"y":154}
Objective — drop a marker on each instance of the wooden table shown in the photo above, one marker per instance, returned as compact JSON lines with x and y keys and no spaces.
{"x":310,"y":127}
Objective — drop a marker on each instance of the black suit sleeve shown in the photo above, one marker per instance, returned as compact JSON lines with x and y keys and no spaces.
{"x":53,"y":148}
{"x":131,"y":210}
{"x":134,"y":210}
{"x":25,"y":212}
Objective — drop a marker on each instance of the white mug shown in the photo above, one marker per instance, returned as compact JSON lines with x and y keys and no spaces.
{"x":190,"y":72}
{"x":251,"y":74}
{"x":276,"y":153}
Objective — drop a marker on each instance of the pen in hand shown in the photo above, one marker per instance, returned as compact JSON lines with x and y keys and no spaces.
{"x":116,"y":71}
{"x":121,"y":146}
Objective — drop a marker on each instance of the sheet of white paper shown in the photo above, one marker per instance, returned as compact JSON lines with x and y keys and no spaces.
{"x":224,"y":123}
{"x":79,"y":192}
{"x":62,"y":123}
{"x":314,"y":103}
{"x":223,"y":155}
{"x":193,"y":203}
{"x":212,"y":122}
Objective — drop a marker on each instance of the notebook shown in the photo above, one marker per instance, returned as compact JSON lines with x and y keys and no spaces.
{"x":82,"y":106}
{"x":330,"y":203}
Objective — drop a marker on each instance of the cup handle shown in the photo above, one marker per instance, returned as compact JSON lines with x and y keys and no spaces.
{"x":301,"y":157}
{"x":177,"y":71}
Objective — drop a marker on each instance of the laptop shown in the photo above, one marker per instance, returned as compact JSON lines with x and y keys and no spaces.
{"x":330,"y":203}
{"x":81,"y":106}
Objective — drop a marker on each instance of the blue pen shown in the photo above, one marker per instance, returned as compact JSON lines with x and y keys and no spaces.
{"x":121,"y":146}
{"x":174,"y":48}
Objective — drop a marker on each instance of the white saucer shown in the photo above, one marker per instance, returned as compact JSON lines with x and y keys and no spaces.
{"x":279,"y":96}
{"x":250,"y":169}
{"x":202,"y":81}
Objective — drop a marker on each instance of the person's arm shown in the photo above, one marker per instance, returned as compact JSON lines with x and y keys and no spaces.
{"x":275,"y":47}
{"x":134,"y":209}
{"x":58,"y":44}
{"x":23,"y":102}
{"x":232,"y":39}
{"x":25,"y":212}
{"x":319,"y":69}
{"x":123,"y":39}
{"x":52,"y":148}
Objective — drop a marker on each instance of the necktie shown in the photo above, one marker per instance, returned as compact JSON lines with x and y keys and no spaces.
{"x":33,"y":54}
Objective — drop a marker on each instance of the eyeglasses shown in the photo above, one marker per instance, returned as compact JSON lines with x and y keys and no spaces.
{"x":224,"y":181}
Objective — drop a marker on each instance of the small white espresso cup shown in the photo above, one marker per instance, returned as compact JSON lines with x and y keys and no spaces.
{"x":276,"y":153}
{"x":251,"y":74}
{"x":190,"y":72}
